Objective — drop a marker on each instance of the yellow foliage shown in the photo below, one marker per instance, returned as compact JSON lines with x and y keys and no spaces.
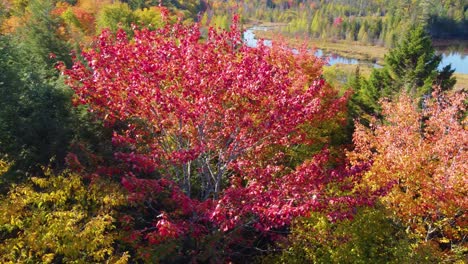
{"x":114,"y":16}
{"x":19,"y":5}
{"x":4,"y":166}
{"x":122,"y":260}
{"x":60,"y":217}
{"x":149,"y":17}
{"x":93,"y":5}
{"x":371,"y":237}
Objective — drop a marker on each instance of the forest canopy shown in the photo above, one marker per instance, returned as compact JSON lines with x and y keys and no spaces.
{"x":135,"y":132}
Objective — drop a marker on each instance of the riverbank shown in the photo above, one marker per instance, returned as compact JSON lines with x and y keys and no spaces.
{"x":338,"y":74}
{"x":346,"y":49}
{"x":448,"y":45}
{"x":462,"y":81}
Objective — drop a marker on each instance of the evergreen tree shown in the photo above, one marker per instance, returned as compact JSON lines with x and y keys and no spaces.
{"x":411,"y":67}
{"x":412,"y":64}
{"x":445,"y":79}
{"x":36,"y":120}
{"x":40,"y":39}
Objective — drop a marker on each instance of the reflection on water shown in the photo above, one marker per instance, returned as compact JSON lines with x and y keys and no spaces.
{"x":335,"y":59}
{"x":251,"y":41}
{"x":458,"y":58}
{"x":331,"y":59}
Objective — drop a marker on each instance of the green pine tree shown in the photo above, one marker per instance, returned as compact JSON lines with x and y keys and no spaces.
{"x":410,"y":67}
{"x":39,"y":39}
{"x":412,"y":64}
{"x":36,"y":118}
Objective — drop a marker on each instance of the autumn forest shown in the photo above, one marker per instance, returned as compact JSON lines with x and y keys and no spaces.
{"x":146,"y":131}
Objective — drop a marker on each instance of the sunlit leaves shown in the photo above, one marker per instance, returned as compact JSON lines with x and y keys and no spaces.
{"x":422,"y":154}
{"x":207,"y":128}
{"x":371,"y":236}
{"x":60,"y":218}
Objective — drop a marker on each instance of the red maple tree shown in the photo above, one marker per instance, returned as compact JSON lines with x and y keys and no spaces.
{"x":204,"y":124}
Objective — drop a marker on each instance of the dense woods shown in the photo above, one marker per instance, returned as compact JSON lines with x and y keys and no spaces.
{"x":134,"y":132}
{"x":375,"y":22}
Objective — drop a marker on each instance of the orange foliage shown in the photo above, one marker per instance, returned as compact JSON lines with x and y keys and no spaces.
{"x":423,"y":155}
{"x":92,"y":6}
{"x":83,"y":19}
{"x":10,"y":24}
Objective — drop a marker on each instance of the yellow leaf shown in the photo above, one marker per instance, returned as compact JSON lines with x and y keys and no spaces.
{"x":48,"y":258}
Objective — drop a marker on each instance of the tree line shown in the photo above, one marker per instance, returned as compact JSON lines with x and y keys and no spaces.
{"x":372,"y":22}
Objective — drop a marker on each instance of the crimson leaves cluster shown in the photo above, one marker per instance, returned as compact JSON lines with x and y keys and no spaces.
{"x":202,"y":125}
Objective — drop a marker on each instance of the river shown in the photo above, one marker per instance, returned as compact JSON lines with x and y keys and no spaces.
{"x":458,"y":59}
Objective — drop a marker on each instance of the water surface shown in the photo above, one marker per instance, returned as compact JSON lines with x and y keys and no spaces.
{"x":458,"y":59}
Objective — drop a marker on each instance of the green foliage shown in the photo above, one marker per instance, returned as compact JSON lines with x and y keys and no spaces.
{"x":39,"y":37}
{"x":114,"y":16}
{"x":372,"y":21}
{"x":35,"y":119}
{"x":19,"y":6}
{"x":3,"y":12}
{"x":62,"y":219}
{"x":364,"y":102}
{"x":220,"y":21}
{"x":410,"y":67}
{"x":141,"y":4}
{"x":412,"y":64}
{"x":190,"y":8}
{"x":120,"y":15}
{"x":336,"y":76}
{"x":445,"y":79}
{"x":149,"y":17}
{"x":371,"y":237}
{"x":70,"y":19}
{"x":366,"y":97}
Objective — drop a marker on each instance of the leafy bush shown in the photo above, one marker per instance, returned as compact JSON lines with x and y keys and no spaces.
{"x":371,"y":237}
{"x":60,"y":218}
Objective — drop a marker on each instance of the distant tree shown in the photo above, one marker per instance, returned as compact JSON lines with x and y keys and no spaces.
{"x":114,"y":16}
{"x":445,"y":79}
{"x":78,"y":21}
{"x":141,"y":4}
{"x":40,"y":38}
{"x":152,"y":18}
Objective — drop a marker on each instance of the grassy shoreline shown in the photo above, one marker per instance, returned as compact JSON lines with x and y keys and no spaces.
{"x":346,"y":49}
{"x":462,"y":81}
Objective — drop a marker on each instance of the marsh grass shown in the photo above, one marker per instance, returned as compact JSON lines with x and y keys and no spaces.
{"x":346,"y":49}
